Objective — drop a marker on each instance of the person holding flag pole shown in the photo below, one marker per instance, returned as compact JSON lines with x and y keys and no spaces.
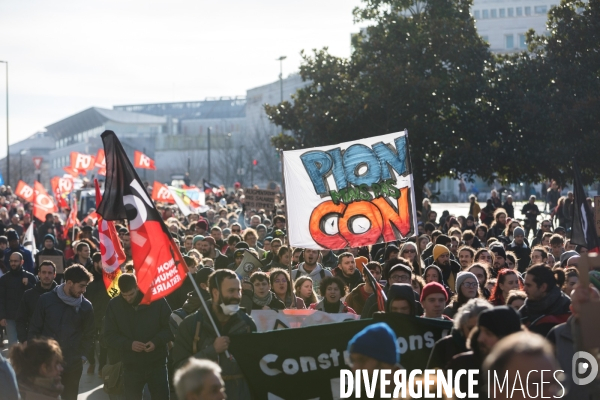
{"x":158,"y":264}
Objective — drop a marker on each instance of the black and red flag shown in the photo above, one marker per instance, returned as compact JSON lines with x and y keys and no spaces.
{"x":158,"y":263}
{"x":584,"y":224}
{"x":379,"y":293}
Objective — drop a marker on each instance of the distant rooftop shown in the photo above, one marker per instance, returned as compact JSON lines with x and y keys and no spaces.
{"x":95,"y":117}
{"x":210,"y":108}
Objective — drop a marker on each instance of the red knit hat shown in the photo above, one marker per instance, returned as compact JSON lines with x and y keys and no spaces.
{"x":431,"y":288}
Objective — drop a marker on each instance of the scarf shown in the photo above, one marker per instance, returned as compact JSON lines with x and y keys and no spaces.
{"x":262,"y":301}
{"x":536,"y":307}
{"x":68,"y":300}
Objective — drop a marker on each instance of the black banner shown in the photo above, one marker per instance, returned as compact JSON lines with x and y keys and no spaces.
{"x":305,"y":363}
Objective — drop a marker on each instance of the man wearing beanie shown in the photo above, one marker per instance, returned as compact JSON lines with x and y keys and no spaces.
{"x":433,"y":300}
{"x":492,"y":325}
{"x":520,"y":248}
{"x":15,"y":246}
{"x":450,"y":268}
{"x":375,"y":348}
{"x":50,"y":249}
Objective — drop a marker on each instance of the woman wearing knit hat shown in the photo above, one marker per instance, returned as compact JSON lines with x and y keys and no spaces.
{"x":374,"y":348}
{"x":433,"y":300}
{"x":467,"y":288}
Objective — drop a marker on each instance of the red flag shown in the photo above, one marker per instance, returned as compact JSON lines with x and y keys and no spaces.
{"x":110,"y":248}
{"x":82,"y":162}
{"x":381,"y":297}
{"x":101,"y":162}
{"x":159,"y":265}
{"x":25,"y":192}
{"x":162,"y":193}
{"x":140,"y":160}
{"x":72,"y":220}
{"x":61,"y":187}
{"x":72,"y":171}
{"x":43,"y":203}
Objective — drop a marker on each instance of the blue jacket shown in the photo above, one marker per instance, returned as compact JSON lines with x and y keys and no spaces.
{"x":8,"y":381}
{"x":27,"y":258}
{"x":73,"y":329}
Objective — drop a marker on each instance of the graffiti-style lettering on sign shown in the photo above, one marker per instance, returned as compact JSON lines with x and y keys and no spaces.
{"x":349,"y":195}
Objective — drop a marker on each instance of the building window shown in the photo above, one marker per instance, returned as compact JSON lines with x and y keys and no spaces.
{"x":527,"y":10}
{"x":502,"y":13}
{"x":511,"y":12}
{"x":485,"y":14}
{"x":540,"y":9}
{"x":522,"y":42}
{"x":519,"y":11}
{"x":477,"y":14}
{"x":494,"y":13}
{"x":510,"y":41}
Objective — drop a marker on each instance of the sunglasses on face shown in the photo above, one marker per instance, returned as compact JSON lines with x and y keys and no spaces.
{"x":409,"y":251}
{"x":236,"y":231}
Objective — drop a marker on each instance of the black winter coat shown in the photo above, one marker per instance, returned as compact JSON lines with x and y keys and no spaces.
{"x":542,"y":315}
{"x":12,"y":290}
{"x":97,"y":295}
{"x":27,"y":307}
{"x":125,"y":323}
{"x":73,"y":329}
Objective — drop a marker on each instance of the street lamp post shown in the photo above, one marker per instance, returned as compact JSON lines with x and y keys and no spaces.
{"x":280,"y":59}
{"x":7,"y":145}
{"x":209,"y":154}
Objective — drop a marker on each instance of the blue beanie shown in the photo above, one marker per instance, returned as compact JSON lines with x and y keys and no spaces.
{"x":377,"y":341}
{"x":51,"y":237}
{"x":197,"y":239}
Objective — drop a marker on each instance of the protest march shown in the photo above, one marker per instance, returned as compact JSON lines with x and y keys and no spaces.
{"x":335,"y":285}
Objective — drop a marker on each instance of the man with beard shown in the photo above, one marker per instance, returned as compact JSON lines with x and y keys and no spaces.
{"x":312,"y":268}
{"x":49,"y":249}
{"x":141,"y":333}
{"x":14,"y":246}
{"x":347,"y":271}
{"x":65,"y":315}
{"x":13,"y":285}
{"x":450,"y":268}
{"x":46,"y":283}
{"x":208,"y":250}
{"x":465,"y":256}
{"x":492,"y":325}
{"x":546,"y":305}
{"x":499,"y":258}
{"x":197,"y":338}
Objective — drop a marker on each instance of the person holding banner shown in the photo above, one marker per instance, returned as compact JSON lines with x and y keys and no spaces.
{"x":196,"y":336}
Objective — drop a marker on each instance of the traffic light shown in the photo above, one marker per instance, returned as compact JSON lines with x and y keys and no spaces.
{"x":255,"y":162}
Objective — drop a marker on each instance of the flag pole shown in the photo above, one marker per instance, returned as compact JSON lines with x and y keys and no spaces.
{"x":290,"y":287}
{"x":212,"y":321}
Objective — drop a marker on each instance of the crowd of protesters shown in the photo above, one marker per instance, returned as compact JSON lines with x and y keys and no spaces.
{"x":499,"y":279}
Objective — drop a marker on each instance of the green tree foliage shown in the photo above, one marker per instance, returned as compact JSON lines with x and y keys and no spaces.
{"x":544,"y":104}
{"x":418,"y":66}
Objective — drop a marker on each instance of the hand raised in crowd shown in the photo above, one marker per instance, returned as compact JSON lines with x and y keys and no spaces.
{"x":221,"y":344}
{"x":149,"y":347}
{"x":138,"y":347}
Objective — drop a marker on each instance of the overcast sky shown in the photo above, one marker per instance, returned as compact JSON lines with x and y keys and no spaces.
{"x":67,"y":55}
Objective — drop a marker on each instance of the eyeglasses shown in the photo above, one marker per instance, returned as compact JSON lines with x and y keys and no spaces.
{"x":399,"y":278}
{"x":409,"y":251}
{"x":471,"y":285}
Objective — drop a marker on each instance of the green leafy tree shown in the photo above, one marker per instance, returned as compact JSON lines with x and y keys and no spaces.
{"x":418,"y":66}
{"x":543,"y":104}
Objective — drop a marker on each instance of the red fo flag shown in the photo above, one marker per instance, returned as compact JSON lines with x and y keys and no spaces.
{"x":82,"y":162}
{"x":101,"y":162}
{"x":110,"y":248}
{"x":25,"y":192}
{"x":140,"y":160}
{"x":162,"y":193}
{"x":381,"y":297}
{"x":159,"y":265}
{"x":43,"y":203}
{"x":72,"y":220}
